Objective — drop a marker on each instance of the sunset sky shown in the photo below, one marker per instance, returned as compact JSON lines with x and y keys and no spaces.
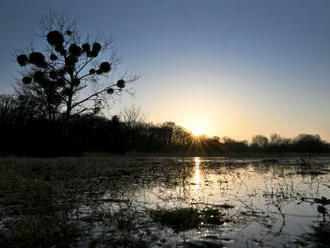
{"x":231,"y":68}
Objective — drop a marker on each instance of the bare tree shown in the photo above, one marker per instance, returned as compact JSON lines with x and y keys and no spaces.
{"x":276,"y":140}
{"x":131,"y":115}
{"x":69,"y":76}
{"x":17,"y":109}
{"x":7,"y":109}
{"x":259,"y":141}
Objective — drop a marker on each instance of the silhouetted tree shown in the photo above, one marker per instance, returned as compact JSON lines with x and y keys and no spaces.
{"x":131,"y":115}
{"x":181,"y":136}
{"x":17,"y":109}
{"x":69,"y":76}
{"x":276,"y":139}
{"x":277,"y":143}
{"x":230,"y":145}
{"x":309,"y":143}
{"x":259,"y":142}
{"x":7,"y":109}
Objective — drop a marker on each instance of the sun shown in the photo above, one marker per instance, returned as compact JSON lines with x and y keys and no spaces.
{"x":196,"y":130}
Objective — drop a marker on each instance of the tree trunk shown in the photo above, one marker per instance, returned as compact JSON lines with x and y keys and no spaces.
{"x":67,"y":117}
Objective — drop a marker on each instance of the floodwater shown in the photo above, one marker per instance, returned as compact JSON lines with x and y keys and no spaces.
{"x":263,"y":203}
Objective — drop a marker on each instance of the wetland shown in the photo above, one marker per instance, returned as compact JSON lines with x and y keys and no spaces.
{"x":165,"y":202}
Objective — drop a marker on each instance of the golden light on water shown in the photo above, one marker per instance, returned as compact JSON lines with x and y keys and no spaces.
{"x":197,"y":176}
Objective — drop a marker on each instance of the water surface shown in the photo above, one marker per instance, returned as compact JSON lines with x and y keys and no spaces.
{"x":264,"y":203}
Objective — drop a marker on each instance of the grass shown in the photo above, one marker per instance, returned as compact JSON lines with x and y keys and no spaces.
{"x":226,"y":206}
{"x":38,"y":197}
{"x":65,"y":202}
{"x":183,"y":219}
{"x":179,"y":219}
{"x":213,"y":216}
{"x":126,"y":240}
{"x":38,"y":232}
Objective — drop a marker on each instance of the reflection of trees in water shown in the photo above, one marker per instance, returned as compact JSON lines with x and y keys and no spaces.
{"x":319,"y":236}
{"x":260,"y":193}
{"x":321,"y":233}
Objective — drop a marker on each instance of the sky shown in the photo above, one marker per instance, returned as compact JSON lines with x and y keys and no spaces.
{"x":231,"y":68}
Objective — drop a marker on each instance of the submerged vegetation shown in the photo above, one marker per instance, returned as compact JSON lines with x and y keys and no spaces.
{"x":179,"y":219}
{"x":156,"y":202}
{"x":182,"y":219}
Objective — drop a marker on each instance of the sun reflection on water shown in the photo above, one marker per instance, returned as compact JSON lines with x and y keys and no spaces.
{"x":235,"y":190}
{"x":197,"y":177}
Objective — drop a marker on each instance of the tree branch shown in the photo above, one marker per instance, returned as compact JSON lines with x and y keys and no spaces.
{"x":93,"y":95}
{"x":82,"y":67}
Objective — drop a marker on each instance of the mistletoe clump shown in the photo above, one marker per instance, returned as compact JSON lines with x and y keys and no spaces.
{"x":121,"y":84}
{"x":86,"y":47}
{"x":110,"y":91}
{"x":26,"y":80}
{"x":22,"y":60}
{"x":65,"y":69}
{"x":75,"y":50}
{"x":105,"y":67}
{"x":55,"y":38}
{"x":37,"y":59}
{"x":53,"y":57}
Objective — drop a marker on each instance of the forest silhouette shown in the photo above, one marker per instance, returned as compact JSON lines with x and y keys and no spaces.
{"x":26,"y":131}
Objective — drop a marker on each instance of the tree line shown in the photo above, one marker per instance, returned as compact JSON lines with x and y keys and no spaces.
{"x":26,"y":130}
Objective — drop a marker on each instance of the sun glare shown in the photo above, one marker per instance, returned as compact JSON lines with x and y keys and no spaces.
{"x":197,"y":130}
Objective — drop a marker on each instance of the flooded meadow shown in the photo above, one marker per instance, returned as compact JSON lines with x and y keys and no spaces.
{"x":165,"y":202}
